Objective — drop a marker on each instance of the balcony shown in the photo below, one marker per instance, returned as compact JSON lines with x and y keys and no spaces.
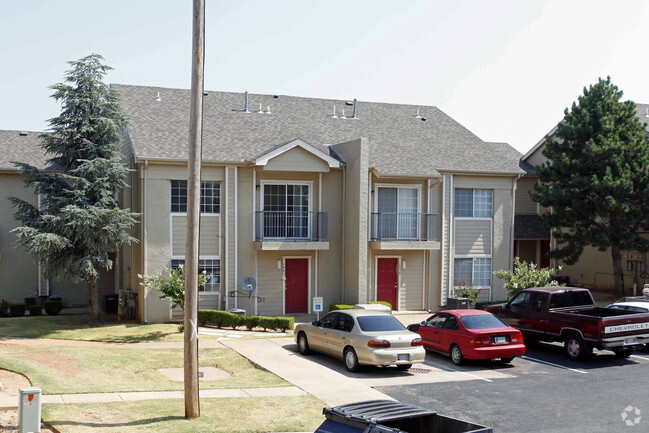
{"x":291,"y":230}
{"x":396,"y":231}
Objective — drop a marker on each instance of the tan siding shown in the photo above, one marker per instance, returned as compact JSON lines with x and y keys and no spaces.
{"x":209,"y":302}
{"x":524,"y":203}
{"x":537,"y":157}
{"x":297,"y":159}
{"x":472,"y":237}
{"x":209,"y":239}
{"x":412,"y":284}
{"x":269,"y":285}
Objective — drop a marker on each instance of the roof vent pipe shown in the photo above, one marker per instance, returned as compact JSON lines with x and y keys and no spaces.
{"x":646,"y":113}
{"x":418,"y":116}
{"x":268,"y":109}
{"x":158,"y":97}
{"x":245,"y":107}
{"x":260,"y":110}
{"x":343,"y":116}
{"x":334,"y":116}
{"x":354,"y":112}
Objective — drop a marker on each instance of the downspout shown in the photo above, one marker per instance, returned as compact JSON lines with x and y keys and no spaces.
{"x":451,"y":244}
{"x":370,"y":260}
{"x":236,"y":235}
{"x":225,"y":252}
{"x":143,"y":176}
{"x":511,"y":248}
{"x":443,"y":247}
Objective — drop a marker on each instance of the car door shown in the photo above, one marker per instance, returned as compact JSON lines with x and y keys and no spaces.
{"x":430,"y":331}
{"x":449,"y":333}
{"x":318,"y":335}
{"x":339,"y":336}
{"x":517,"y":310}
{"x":535,"y":323}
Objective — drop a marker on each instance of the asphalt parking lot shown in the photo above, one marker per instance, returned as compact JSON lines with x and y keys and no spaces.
{"x":539,"y":392}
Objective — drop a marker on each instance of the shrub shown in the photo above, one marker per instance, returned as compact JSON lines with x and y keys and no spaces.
{"x":525,"y":276}
{"x":171,"y":284}
{"x":284,"y":323}
{"x":333,"y":307}
{"x":251,"y":322}
{"x":465,"y":289}
{"x":16,"y":310}
{"x":35,"y":310}
{"x":226,"y":319}
{"x":52,"y":308}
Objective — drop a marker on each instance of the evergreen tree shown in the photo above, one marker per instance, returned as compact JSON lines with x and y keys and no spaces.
{"x":78,"y":222}
{"x":596,"y":178}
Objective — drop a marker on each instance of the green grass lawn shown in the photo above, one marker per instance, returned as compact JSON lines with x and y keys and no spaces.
{"x":69,"y":370}
{"x":73,"y":327}
{"x":267,"y":414}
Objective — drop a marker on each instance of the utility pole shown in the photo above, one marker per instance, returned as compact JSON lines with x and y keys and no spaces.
{"x":193,"y":213}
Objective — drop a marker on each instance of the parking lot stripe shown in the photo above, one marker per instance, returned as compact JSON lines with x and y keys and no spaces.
{"x":443,"y":367}
{"x":553,"y":364}
{"x":644,"y":358}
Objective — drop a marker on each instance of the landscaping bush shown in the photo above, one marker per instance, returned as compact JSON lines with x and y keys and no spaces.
{"x":527,"y":275}
{"x":35,"y":310}
{"x":4,"y":308}
{"x":16,"y":310}
{"x":333,"y":307}
{"x":52,"y":308}
{"x":226,"y":319}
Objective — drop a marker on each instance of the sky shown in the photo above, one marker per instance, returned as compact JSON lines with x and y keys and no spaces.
{"x":505,"y":69}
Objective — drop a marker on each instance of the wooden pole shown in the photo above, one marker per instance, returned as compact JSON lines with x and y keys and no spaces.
{"x":193,"y":214}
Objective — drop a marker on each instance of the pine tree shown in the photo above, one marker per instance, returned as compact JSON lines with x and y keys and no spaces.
{"x":596,"y":178}
{"x":78,"y":221}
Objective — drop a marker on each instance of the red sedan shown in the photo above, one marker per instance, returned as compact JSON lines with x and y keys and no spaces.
{"x":471,"y":334}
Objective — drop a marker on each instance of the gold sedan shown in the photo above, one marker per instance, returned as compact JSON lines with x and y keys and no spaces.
{"x":361,"y":337}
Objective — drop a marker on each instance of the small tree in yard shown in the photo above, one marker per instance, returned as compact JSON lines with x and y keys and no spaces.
{"x":596,"y":179}
{"x":525,"y":276}
{"x":172,"y":285}
{"x":78,"y":222}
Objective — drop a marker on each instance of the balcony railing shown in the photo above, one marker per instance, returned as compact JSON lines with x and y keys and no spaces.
{"x":290,"y":226}
{"x":393,"y":226}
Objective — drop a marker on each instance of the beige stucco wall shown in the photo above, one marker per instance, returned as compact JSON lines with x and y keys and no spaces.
{"x":356,"y":205}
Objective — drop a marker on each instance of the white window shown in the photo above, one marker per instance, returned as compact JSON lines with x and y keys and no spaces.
{"x":476,"y":270}
{"x":286,"y":211}
{"x":473,"y":203}
{"x":210,"y":197}
{"x":397,"y":212}
{"x":212,"y":268}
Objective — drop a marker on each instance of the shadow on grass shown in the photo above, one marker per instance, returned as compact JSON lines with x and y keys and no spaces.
{"x":118,"y":424}
{"x":141,"y":338}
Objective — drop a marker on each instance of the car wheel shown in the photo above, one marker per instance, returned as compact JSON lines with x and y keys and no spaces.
{"x":303,"y":344}
{"x":623,"y":353}
{"x":351,"y":360}
{"x":574,"y":347}
{"x":506,"y":360}
{"x":404,"y":367}
{"x":456,"y":355}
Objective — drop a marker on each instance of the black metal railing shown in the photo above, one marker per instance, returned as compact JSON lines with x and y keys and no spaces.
{"x":393,"y":226}
{"x":290,"y":226}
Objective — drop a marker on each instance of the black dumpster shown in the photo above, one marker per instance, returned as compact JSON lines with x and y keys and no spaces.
{"x":387,"y":416}
{"x":110,"y":303}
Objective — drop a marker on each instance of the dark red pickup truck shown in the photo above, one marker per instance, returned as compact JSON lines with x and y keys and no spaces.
{"x":570,"y":315}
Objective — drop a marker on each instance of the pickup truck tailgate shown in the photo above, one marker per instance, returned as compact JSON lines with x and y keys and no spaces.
{"x":626,"y":330}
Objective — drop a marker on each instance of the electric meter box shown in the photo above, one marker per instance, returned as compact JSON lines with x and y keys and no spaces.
{"x":29,"y":410}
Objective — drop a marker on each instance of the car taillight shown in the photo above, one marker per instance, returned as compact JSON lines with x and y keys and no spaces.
{"x":479,"y":341}
{"x":417,"y":342}
{"x":517,"y":338}
{"x":378,"y":343}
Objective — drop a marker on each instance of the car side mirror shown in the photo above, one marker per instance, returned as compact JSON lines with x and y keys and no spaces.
{"x":423,"y":323}
{"x":315,"y":323}
{"x":505,"y":306}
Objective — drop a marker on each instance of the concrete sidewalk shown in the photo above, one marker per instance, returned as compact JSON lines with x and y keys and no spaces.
{"x":279,"y":356}
{"x":11,"y":402}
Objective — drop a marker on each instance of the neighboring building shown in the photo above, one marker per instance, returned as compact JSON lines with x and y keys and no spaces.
{"x":376,"y":202}
{"x":531,"y":241}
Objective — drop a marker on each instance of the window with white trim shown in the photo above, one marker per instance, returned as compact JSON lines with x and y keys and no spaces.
{"x":286,"y":210}
{"x":212,"y":268}
{"x":210,"y":197}
{"x":397,"y":209}
{"x":476,"y":270}
{"x":473,"y":203}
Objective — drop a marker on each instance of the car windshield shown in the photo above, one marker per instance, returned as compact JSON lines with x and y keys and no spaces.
{"x":482,"y":321}
{"x":379,"y":323}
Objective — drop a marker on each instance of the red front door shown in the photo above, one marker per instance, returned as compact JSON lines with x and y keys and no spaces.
{"x":386,"y":281}
{"x":297,"y":285}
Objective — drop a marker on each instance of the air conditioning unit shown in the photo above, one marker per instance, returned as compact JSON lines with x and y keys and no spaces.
{"x":457,"y":303}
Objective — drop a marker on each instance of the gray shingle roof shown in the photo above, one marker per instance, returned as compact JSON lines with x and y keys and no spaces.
{"x":400,"y":143}
{"x":21,"y":148}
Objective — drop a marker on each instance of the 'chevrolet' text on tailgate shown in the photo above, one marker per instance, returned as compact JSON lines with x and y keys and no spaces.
{"x":628,"y":327}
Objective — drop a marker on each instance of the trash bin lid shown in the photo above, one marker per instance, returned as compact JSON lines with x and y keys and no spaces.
{"x":378,"y":411}
{"x":30,"y":390}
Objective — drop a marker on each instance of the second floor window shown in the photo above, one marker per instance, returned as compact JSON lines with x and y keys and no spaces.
{"x":474,"y":203}
{"x":210,"y":197}
{"x":286,"y":211}
{"x":397,"y":208}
